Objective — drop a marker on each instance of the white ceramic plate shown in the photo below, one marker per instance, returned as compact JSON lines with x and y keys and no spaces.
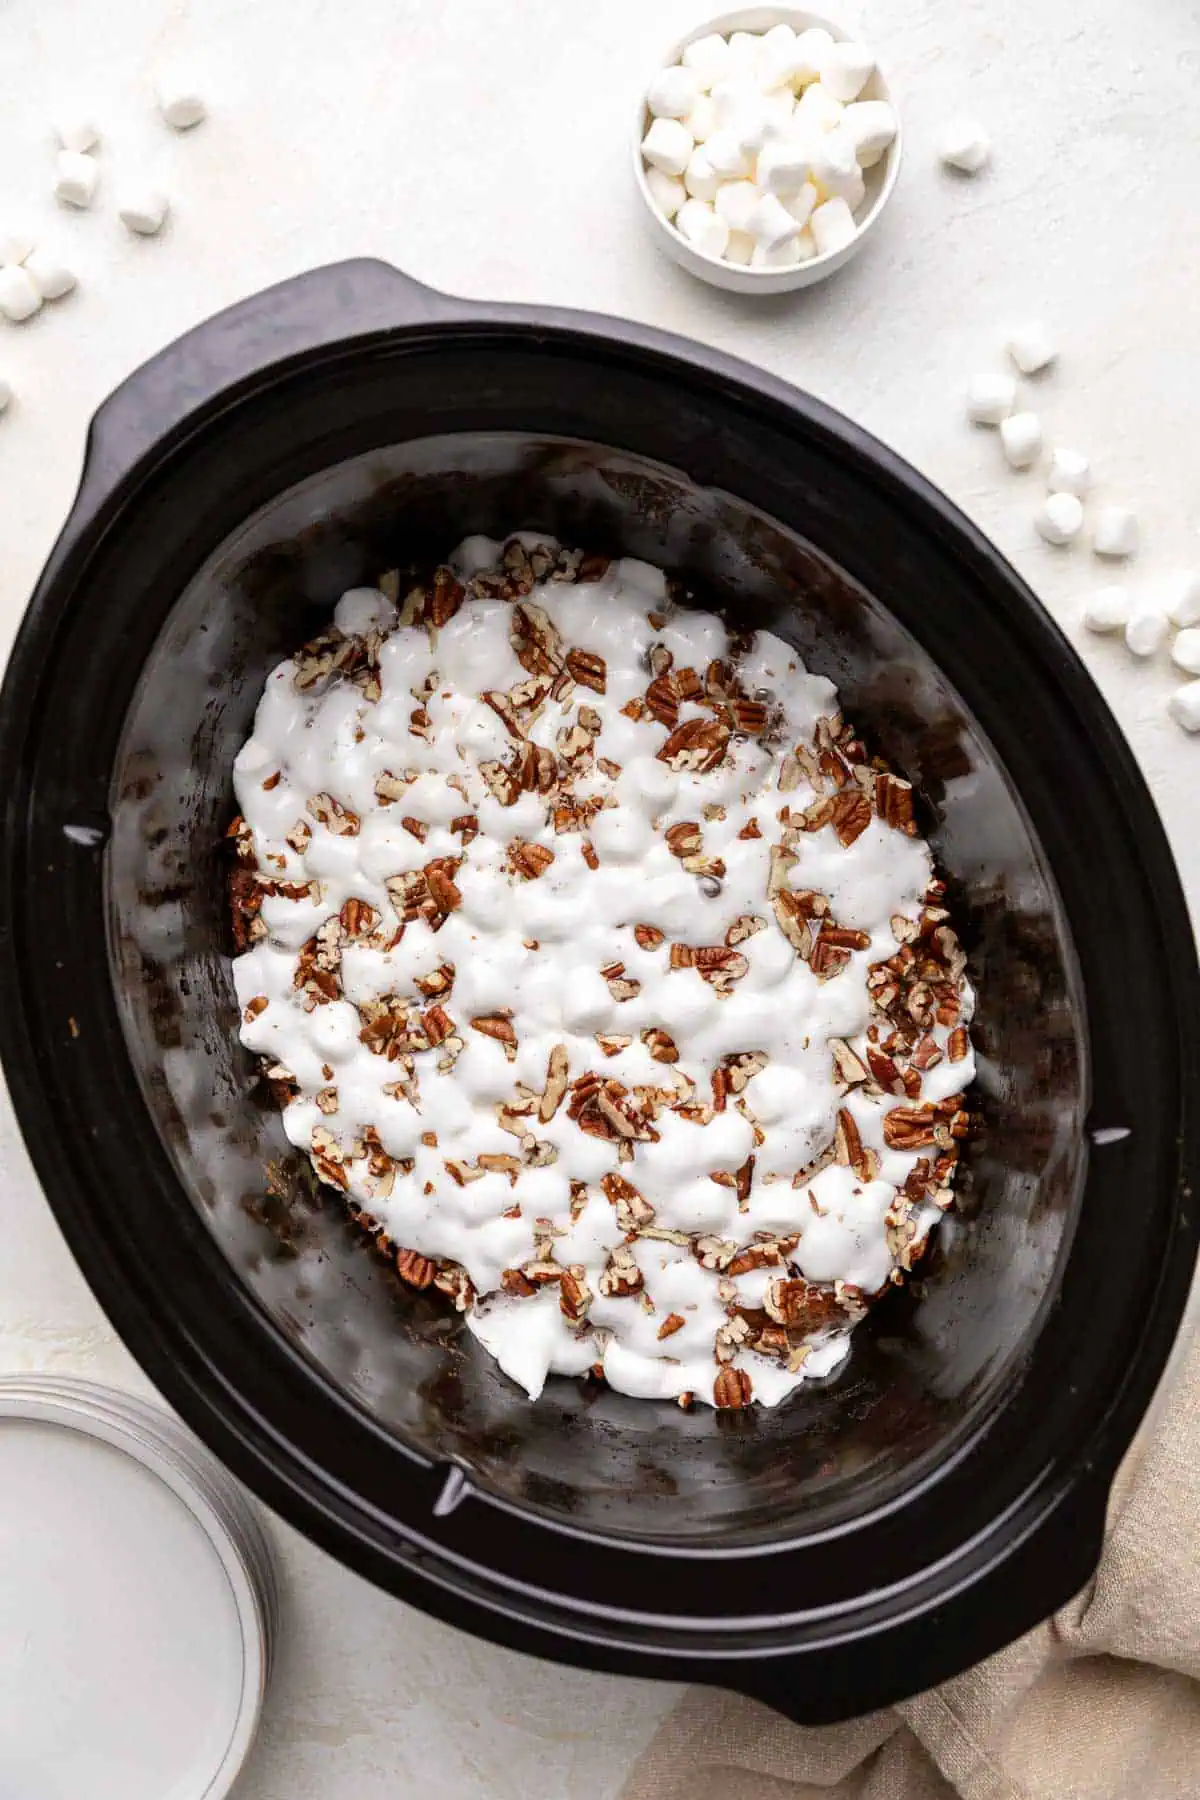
{"x":136,"y":1602}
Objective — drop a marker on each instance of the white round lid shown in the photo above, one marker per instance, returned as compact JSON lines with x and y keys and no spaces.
{"x":133,"y":1642}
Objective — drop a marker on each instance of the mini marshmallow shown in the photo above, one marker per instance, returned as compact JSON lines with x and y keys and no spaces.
{"x":775,"y":65}
{"x":782,"y":256}
{"x":1185,"y":652}
{"x":727,"y":156}
{"x":806,"y":244}
{"x":802,"y":205}
{"x":812,"y":47}
{"x":781,"y":113}
{"x":708,"y":58}
{"x":740,"y":248}
{"x":735,"y":202}
{"x":1146,"y":632}
{"x":1184,"y":706}
{"x":19,"y":295}
{"x":834,"y":165}
{"x":990,"y":399}
{"x":143,"y":211}
{"x":1117,"y":533}
{"x":1021,"y":436}
{"x":873,"y":125}
{"x":668,"y":146}
{"x":771,"y":224}
{"x":1183,"y":601}
{"x":1108,"y":609}
{"x":783,"y":166}
{"x":667,"y":192}
{"x":1032,"y":348}
{"x":817,"y":108}
{"x":179,"y":101}
{"x":966,"y":146}
{"x":7,"y":396}
{"x":699,"y":224}
{"x":53,"y":279}
{"x":1070,"y":473}
{"x":743,"y":54}
{"x":15,"y":247}
{"x":846,"y":70}
{"x":702,"y":120}
{"x":673,"y":93}
{"x":76,"y":129}
{"x":730,"y":98}
{"x":833,"y":227}
{"x":76,"y":179}
{"x":700,"y":178}
{"x":751,"y":124}
{"x":1059,"y":519}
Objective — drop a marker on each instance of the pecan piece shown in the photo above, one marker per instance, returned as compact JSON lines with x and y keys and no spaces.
{"x":621,"y":1275}
{"x":588,"y":669}
{"x":499,"y":1026}
{"x":648,"y":937}
{"x":850,"y":814}
{"x":574,"y":1294}
{"x":527,"y":861}
{"x":732,"y":1389}
{"x":958,"y":1044}
{"x":803,"y":1305}
{"x":514,"y":1282}
{"x":697,"y":746}
{"x":358,"y":919}
{"x":671,"y":1324}
{"x":661,"y":1045}
{"x":849,"y":1148}
{"x":417,"y":1270}
{"x":446,"y":598}
{"x":909,"y":1127}
{"x":894,"y":803}
{"x":334,"y":816}
{"x":684,"y":839}
{"x":556,"y":1083}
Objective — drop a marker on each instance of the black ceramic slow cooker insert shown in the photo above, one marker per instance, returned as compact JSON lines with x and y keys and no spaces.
{"x":946,"y":1489}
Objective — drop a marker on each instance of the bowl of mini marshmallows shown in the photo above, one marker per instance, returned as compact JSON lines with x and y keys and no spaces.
{"x":765,"y":149}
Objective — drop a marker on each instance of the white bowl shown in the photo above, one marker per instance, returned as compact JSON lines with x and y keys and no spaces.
{"x":880,"y":181}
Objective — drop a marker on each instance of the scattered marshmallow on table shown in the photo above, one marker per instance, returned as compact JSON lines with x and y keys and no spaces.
{"x":1032,"y":349}
{"x":1108,"y":609}
{"x":1146,"y":632}
{"x":143,"y":210}
{"x":76,"y":130}
{"x":668,"y":146}
{"x":19,"y":295}
{"x":1117,"y":533}
{"x":1059,"y":519}
{"x":15,"y":247}
{"x":1184,"y":706}
{"x":991,"y":398}
{"x":53,"y":279}
{"x":1070,"y":473}
{"x":77,"y":178}
{"x":781,"y":138}
{"x":1021,"y":436}
{"x":1185,"y":652}
{"x":1183,"y":600}
{"x":180,"y":101}
{"x":966,"y":146}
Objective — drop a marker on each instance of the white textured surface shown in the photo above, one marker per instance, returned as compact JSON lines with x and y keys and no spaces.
{"x":338,"y":131}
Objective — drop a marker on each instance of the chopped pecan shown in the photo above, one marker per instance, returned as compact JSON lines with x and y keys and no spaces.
{"x":684,"y":839}
{"x":514,"y":1282}
{"x":497,"y":1025}
{"x":803,"y":1305}
{"x":648,"y":937}
{"x":850,"y":1068}
{"x":632,"y":1208}
{"x":556,"y":1083}
{"x":334,"y":816}
{"x":746,"y":925}
{"x":417,"y":1270}
{"x":439,"y":877}
{"x":732,"y":1389}
{"x":621,"y":1275}
{"x":909,"y":1127}
{"x":697,"y":746}
{"x":588,"y":669}
{"x":958,"y":1044}
{"x":894,"y":803}
{"x":389,"y":788}
{"x":358,"y":919}
{"x":849,"y":1148}
{"x":254,"y":1007}
{"x":444,"y":601}
{"x":750,"y":829}
{"x":527,"y":861}
{"x":661,"y":1045}
{"x":574,"y":1294}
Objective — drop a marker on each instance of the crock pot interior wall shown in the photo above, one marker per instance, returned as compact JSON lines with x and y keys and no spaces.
{"x":927,"y":1360}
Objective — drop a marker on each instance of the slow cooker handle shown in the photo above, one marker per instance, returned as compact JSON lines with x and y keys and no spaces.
{"x":322,"y":308}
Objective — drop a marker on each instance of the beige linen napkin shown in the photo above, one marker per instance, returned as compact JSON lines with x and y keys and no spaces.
{"x":1100,"y":1703}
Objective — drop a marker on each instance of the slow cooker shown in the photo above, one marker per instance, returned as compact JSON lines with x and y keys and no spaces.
{"x":946,"y":1489}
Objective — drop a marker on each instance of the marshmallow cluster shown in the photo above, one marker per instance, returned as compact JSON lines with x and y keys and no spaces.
{"x":1145,"y":623}
{"x":29,"y":275}
{"x":757,"y":144}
